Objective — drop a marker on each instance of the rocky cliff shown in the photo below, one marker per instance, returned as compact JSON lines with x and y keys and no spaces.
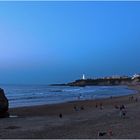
{"x":4,"y":104}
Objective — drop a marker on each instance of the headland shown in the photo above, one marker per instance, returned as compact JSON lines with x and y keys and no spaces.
{"x":104,"y":81}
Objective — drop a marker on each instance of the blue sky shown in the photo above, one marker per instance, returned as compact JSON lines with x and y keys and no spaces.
{"x":56,"y":42}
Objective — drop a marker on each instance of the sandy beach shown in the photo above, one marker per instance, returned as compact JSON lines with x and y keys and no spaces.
{"x":86,"y":121}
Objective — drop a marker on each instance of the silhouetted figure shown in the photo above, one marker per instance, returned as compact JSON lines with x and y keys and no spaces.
{"x":123,"y":113}
{"x":96,"y":105}
{"x":101,"y":106}
{"x":122,"y":107}
{"x":60,"y":115}
{"x":136,"y":99}
{"x":82,"y":108}
{"x":75,"y":108}
{"x":101,"y":133}
{"x":131,"y":98}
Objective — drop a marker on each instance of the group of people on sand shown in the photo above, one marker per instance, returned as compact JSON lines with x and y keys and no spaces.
{"x":76,"y":108}
{"x":109,"y":133}
{"x":100,"y":105}
{"x":131,"y":98}
{"x":122,"y":110}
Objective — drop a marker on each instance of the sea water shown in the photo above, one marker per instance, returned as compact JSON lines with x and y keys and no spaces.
{"x":30,"y":95}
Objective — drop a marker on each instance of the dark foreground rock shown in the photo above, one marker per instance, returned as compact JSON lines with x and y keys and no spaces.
{"x":4,"y":104}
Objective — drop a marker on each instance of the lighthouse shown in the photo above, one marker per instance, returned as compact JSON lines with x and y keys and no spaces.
{"x":83,"y":78}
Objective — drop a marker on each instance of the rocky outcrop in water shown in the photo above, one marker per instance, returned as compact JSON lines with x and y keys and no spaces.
{"x":4,"y":104}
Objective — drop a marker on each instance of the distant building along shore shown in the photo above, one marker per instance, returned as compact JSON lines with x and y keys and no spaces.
{"x":104,"y":81}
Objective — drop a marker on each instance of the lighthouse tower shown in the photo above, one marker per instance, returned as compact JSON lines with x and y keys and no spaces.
{"x":83,"y":78}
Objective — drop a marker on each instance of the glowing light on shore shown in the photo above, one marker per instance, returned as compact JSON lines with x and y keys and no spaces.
{"x":83,"y":77}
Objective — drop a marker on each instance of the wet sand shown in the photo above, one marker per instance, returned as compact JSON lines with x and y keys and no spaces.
{"x":44,"y":121}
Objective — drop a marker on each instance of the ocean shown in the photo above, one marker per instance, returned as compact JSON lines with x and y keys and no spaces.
{"x":30,"y":95}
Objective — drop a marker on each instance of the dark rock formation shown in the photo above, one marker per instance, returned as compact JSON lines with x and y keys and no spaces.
{"x":4,"y":104}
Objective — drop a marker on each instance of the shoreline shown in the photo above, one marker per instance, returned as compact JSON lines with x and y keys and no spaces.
{"x":44,"y":121}
{"x":135,"y":91}
{"x":44,"y":107}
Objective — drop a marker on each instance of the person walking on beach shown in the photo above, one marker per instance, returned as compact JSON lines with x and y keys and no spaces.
{"x":131,"y":98}
{"x":122,"y":111}
{"x":60,"y":115}
{"x":122,"y":107}
{"x":101,"y":106}
{"x":96,"y":105}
